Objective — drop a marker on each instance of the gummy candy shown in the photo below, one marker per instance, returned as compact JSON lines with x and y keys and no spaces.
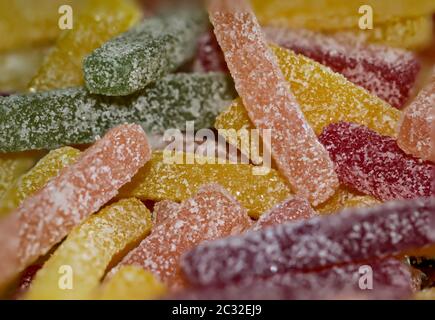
{"x":48,"y":120}
{"x":416,"y":130}
{"x":164,"y":210}
{"x":12,"y":166}
{"x":144,"y":54}
{"x":89,"y":249}
{"x":132,"y":283}
{"x":158,"y":180}
{"x":45,"y":218}
{"x":375,"y":165}
{"x":209,"y":56}
{"x":299,"y":156}
{"x":98,"y":22}
{"x":211,"y":214}
{"x":355,"y":235}
{"x":386,"y":72}
{"x":47,"y":168}
{"x":291,"y":209}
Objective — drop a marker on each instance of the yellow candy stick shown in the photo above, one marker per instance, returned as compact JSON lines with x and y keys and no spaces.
{"x":324,"y":15}
{"x":177,"y":182}
{"x":100,"y":21}
{"x":324,"y":96}
{"x":132,"y":283}
{"x":47,"y":168}
{"x":90,"y":249}
{"x":428,"y":294}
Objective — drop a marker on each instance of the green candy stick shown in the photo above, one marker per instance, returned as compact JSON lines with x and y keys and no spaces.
{"x":146,"y":53}
{"x":48,"y":120}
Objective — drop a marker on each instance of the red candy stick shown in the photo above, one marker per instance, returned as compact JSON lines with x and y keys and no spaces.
{"x":266,"y":95}
{"x":417,"y":129}
{"x":46,"y":217}
{"x":209,"y":57}
{"x":375,"y":165}
{"x":355,"y":235}
{"x":388,"y":73}
{"x":211,"y":214}
{"x":291,"y":209}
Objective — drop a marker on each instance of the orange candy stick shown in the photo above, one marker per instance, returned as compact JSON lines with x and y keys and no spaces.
{"x":211,"y":214}
{"x":266,"y":95}
{"x":417,"y":128}
{"x":45,"y":218}
{"x":292,"y":209}
{"x":163,"y":210}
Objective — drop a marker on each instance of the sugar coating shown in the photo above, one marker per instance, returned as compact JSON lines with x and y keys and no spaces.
{"x":299,"y":156}
{"x":375,"y":165}
{"x":12,"y":166}
{"x":355,"y":235}
{"x":33,"y":180}
{"x":209,"y":57}
{"x":45,"y":218}
{"x":211,"y":214}
{"x":145,"y":54}
{"x":48,"y":120}
{"x":388,"y":73}
{"x":96,"y":23}
{"x":391,"y":280}
{"x":158,"y":181}
{"x":90,"y":248}
{"x":291,"y":209}
{"x":164,"y":210}
{"x":417,"y":127}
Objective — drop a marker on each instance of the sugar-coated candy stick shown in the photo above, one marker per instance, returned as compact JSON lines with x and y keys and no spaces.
{"x":427,"y":294}
{"x":391,"y":279}
{"x":417,"y":127}
{"x":291,"y":209}
{"x":45,"y":218}
{"x":297,"y":153}
{"x":164,"y":210}
{"x":47,"y":120}
{"x":132,"y":283}
{"x":375,"y":165}
{"x":386,"y":72}
{"x":355,"y":235}
{"x":211,"y":214}
{"x":209,"y":56}
{"x":158,"y":181}
{"x":97,"y":23}
{"x":89,"y":249}
{"x":26,"y":279}
{"x":144,"y":54}
{"x":32,"y":181}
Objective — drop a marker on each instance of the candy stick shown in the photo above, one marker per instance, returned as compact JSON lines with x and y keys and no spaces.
{"x":416,"y":130}
{"x":211,"y":214}
{"x":144,"y":54}
{"x":164,"y":210}
{"x":375,"y":165}
{"x":46,"y":217}
{"x":48,"y":120}
{"x":355,"y":235}
{"x":209,"y":56}
{"x":12,"y":166}
{"x":298,"y":154}
{"x":32,"y":181}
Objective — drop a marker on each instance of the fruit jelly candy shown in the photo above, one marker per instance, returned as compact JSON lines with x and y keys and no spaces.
{"x":45,"y":218}
{"x":132,"y":283}
{"x":12,"y":166}
{"x":50,"y":119}
{"x":17,"y":68}
{"x":391,"y":278}
{"x":211,"y":214}
{"x":159,"y":180}
{"x":416,"y":130}
{"x":144,"y":54}
{"x":291,"y":209}
{"x":90,"y":248}
{"x":386,"y":72}
{"x":375,"y":165}
{"x":29,"y":23}
{"x":335,"y":14}
{"x":427,"y":294}
{"x":209,"y":56}
{"x":97,"y":23}
{"x":32,"y":181}
{"x":298,"y":154}
{"x":346,"y":198}
{"x":355,"y":235}
{"x":324,"y":96}
{"x":164,"y":210}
